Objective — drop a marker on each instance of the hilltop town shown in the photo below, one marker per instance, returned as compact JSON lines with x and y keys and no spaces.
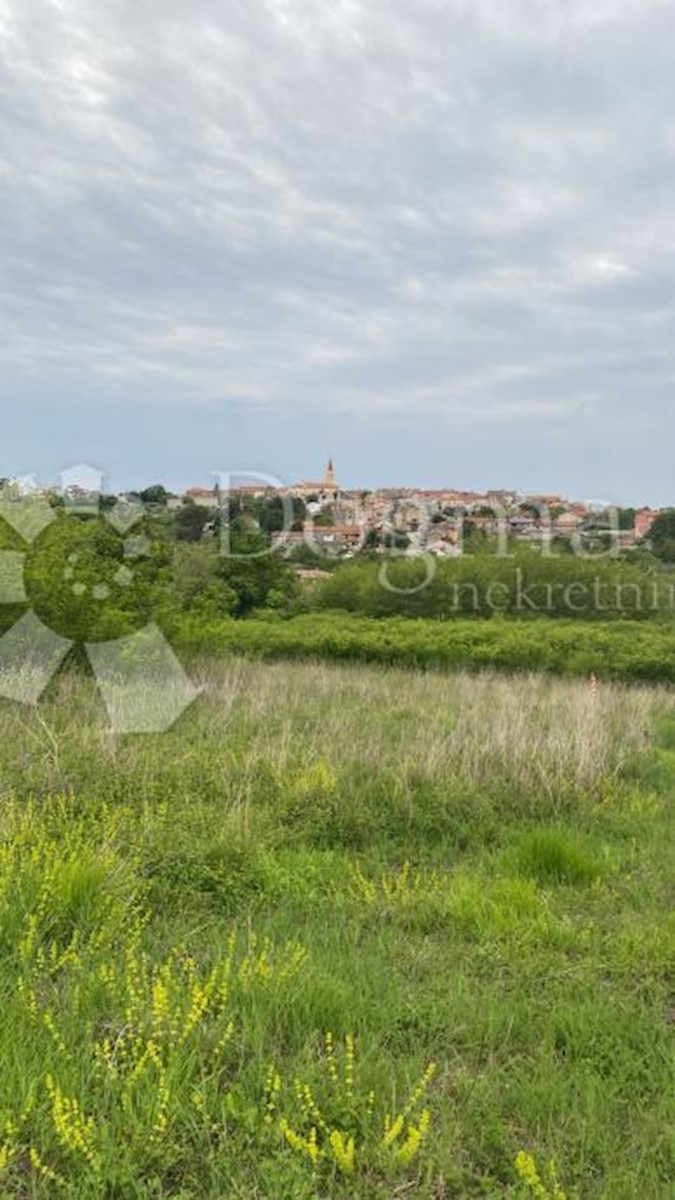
{"x":340,"y":522}
{"x":343,"y":521}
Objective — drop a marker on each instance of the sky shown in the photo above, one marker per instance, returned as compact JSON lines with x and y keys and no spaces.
{"x":433,"y":239}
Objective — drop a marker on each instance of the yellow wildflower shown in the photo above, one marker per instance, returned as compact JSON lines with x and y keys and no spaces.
{"x":344,"y":1151}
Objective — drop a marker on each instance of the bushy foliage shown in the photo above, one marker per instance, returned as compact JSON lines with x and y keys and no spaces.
{"x":83,"y":585}
{"x":662,"y":535}
{"x":255,"y":577}
{"x":637,"y":651}
{"x":89,"y":582}
{"x":525,"y":584}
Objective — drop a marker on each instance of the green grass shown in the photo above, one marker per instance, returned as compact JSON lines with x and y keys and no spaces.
{"x":474,"y":872}
{"x":552,"y":856}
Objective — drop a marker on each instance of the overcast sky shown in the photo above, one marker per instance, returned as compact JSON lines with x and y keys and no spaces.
{"x":433,"y":238}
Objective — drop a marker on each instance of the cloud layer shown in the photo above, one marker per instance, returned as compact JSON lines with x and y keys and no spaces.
{"x":454,"y":212}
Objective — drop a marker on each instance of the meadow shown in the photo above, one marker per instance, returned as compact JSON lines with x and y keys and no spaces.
{"x":346,"y":931}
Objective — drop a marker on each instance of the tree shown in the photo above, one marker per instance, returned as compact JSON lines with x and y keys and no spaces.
{"x":396,"y":540}
{"x":305,"y":556}
{"x":189,"y":522}
{"x":662,"y":535}
{"x":273,"y":514}
{"x":196,"y":582}
{"x":155,"y":494}
{"x":80,"y":584}
{"x":257,"y":576}
{"x":271,"y":518}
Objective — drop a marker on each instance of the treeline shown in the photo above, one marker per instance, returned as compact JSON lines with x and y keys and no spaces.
{"x":525,"y":584}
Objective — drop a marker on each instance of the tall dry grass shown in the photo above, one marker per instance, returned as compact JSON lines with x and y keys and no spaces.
{"x":531,"y":733}
{"x":531,"y":729}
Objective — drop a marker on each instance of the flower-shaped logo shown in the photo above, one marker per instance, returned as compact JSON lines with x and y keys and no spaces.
{"x":142,"y":683}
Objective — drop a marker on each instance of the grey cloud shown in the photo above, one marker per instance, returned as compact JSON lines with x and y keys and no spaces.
{"x":459,"y":208}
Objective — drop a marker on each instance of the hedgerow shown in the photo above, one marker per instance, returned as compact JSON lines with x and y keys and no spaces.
{"x":622,"y":650}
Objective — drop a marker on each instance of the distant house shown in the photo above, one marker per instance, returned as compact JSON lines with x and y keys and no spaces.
{"x":520,"y":523}
{"x":549,"y":502}
{"x":568,"y":521}
{"x":287,"y":539}
{"x":339,"y":537}
{"x":644,"y":519}
{"x":207,"y":497}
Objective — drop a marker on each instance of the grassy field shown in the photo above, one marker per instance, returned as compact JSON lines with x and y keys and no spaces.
{"x":345,"y":932}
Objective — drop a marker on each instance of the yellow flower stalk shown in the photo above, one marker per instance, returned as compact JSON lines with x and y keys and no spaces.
{"x":526,"y":1168}
{"x":74,"y":1131}
{"x":392,"y":1130}
{"x":331,"y":1063}
{"x":416,"y":1133}
{"x":344,"y":1151}
{"x":350,"y":1060}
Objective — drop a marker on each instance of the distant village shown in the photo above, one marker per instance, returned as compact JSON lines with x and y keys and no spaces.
{"x":341,"y":522}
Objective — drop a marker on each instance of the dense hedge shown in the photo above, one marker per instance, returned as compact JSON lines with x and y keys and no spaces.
{"x":615,"y":649}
